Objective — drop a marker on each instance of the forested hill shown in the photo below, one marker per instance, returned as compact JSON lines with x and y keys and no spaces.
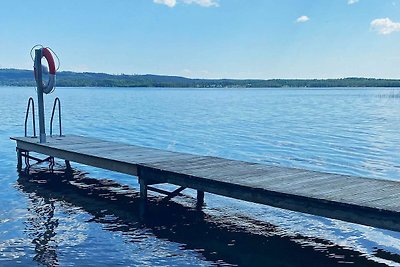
{"x":15,"y":77}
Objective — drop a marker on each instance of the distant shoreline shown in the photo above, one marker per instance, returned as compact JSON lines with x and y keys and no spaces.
{"x":17,"y":77}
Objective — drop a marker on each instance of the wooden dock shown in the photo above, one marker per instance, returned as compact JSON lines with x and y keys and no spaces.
{"x":359,"y":200}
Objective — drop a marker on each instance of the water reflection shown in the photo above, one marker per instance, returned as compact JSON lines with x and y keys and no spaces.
{"x":41,"y":226}
{"x":218,"y":240}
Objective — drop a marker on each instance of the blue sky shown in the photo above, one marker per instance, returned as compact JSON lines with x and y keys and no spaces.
{"x":208,"y":38}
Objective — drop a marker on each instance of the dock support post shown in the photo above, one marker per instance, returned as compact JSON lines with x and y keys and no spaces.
{"x":68,"y":165}
{"x":143,"y":189}
{"x":19,"y":159}
{"x":143,"y":198}
{"x":200,"y":198}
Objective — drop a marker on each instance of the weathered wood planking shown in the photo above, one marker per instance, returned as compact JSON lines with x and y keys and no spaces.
{"x":360,"y":200}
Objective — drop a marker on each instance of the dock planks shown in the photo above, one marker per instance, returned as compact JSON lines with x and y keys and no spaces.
{"x":366,"y":201}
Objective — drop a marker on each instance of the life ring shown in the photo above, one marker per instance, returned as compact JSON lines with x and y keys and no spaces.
{"x":48,"y":87}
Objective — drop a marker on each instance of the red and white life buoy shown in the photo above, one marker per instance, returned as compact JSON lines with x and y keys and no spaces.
{"x":48,"y":87}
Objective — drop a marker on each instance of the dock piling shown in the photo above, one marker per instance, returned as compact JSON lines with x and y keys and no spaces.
{"x":143,"y":189}
{"x":19,"y":159}
{"x":200,"y":198}
{"x":68,"y":165}
{"x":143,"y":198}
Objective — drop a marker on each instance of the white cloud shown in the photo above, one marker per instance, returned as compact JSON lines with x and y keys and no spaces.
{"x":302,"y":19}
{"x":385,"y":26}
{"x":203,"y":3}
{"x":170,"y":3}
{"x":350,"y":2}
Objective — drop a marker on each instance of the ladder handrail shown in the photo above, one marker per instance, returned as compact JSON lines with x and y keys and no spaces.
{"x":56,"y":100}
{"x":30,"y":100}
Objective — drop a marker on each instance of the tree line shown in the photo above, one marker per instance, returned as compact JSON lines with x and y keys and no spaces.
{"x":16,"y":77}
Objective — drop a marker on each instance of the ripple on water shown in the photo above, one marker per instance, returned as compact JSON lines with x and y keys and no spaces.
{"x":86,"y":220}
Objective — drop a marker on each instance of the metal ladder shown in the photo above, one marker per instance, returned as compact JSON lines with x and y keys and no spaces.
{"x":25,"y":153}
{"x":57,"y":100}
{"x":30,"y":101}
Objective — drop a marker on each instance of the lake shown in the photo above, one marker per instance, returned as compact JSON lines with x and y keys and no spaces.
{"x":84,"y":219}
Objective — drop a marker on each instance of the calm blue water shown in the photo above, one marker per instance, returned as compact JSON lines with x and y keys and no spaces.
{"x":83,"y":219}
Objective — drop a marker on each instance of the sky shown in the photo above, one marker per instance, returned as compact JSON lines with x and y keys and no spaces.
{"x":260,"y":39}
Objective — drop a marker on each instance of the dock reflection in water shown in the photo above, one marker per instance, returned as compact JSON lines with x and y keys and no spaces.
{"x":214,"y":240}
{"x":41,"y":228}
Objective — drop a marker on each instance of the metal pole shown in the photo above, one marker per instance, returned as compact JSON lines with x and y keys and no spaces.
{"x":39,"y":85}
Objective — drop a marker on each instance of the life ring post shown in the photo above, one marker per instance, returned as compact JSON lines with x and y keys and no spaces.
{"x":38,"y":76}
